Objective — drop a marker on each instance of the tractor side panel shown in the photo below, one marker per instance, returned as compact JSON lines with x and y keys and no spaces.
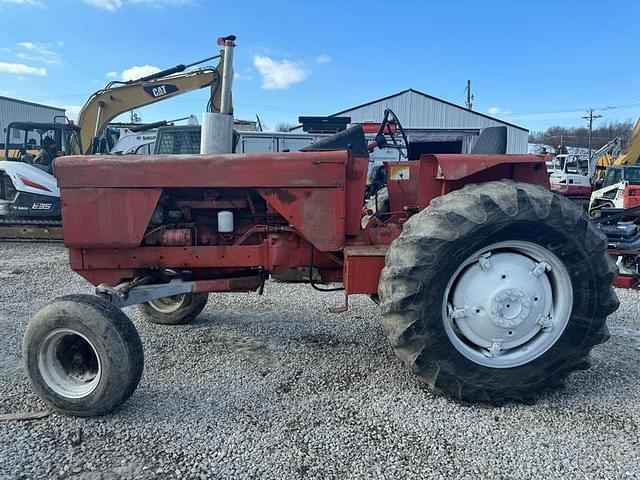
{"x":107,"y":217}
{"x":441,"y":174}
{"x":317,"y":213}
{"x":269,"y":170}
{"x":402,"y":184}
{"x":363,"y":264}
{"x":356,"y":183}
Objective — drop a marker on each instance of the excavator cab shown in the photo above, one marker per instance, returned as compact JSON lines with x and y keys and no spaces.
{"x":24,"y":139}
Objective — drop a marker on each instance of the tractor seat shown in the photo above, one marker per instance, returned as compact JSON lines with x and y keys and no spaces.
{"x":350,"y":139}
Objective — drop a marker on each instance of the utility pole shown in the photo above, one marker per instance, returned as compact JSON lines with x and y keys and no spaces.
{"x":134,"y":117}
{"x":590,"y":117}
{"x":469,"y":95}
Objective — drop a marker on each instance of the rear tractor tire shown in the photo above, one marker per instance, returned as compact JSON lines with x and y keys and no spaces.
{"x":174,"y":310}
{"x":497,"y":292}
{"x":82,"y":355}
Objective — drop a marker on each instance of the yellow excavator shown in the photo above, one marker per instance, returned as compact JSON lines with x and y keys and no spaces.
{"x":29,"y":195}
{"x":618,"y":179}
{"x":119,"y":97}
{"x":629,"y":156}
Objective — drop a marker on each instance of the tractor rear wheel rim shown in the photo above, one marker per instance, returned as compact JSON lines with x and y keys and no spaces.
{"x":69,"y":363}
{"x":168,"y":304}
{"x":507,"y":304}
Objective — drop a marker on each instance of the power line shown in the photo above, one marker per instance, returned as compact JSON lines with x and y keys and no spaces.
{"x":591,"y":117}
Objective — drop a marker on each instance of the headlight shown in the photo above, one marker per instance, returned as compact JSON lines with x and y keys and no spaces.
{"x":4,"y":208}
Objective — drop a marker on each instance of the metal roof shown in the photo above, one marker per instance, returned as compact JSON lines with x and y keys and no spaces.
{"x":432,"y":98}
{"x":24,"y":102}
{"x":438,"y":114}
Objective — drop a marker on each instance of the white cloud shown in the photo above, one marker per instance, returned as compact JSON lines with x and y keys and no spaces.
{"x":107,"y":5}
{"x":279,"y":74}
{"x":324,"y":58}
{"x":138,"y":71}
{"x":30,"y":3}
{"x":21,"y":69}
{"x":39,"y":52}
{"x":114,"y":5}
{"x":72,"y":110}
{"x":133,"y":73}
{"x":498,"y":111}
{"x":163,"y":3}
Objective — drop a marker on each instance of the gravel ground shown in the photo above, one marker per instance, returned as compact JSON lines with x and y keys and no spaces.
{"x":276,"y":387}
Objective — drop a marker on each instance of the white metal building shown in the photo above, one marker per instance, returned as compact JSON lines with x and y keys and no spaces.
{"x":434,"y":125}
{"x":14,"y":110}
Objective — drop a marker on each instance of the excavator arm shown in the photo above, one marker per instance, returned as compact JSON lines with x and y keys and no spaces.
{"x":629,"y":156}
{"x":106,"y":104}
{"x":602,"y":156}
{"x":631,"y":153}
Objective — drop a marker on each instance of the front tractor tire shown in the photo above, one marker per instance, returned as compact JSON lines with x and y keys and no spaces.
{"x":174,"y":310}
{"x":496,"y":292}
{"x":82,"y":355}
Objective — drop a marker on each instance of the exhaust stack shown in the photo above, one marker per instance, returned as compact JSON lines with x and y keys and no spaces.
{"x":217,"y":128}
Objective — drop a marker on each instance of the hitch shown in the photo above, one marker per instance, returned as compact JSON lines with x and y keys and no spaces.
{"x":133,"y":293}
{"x":139,"y":291}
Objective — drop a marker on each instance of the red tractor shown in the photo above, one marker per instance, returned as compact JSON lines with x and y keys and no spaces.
{"x":492,"y":287}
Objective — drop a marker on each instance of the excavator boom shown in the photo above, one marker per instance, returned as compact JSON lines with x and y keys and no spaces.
{"x":631,"y":153}
{"x":610,"y":155}
{"x":30,"y":203}
{"x":106,"y":104}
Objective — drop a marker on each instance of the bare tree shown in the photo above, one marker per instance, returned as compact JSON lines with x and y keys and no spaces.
{"x":579,"y":136}
{"x":284,"y":127}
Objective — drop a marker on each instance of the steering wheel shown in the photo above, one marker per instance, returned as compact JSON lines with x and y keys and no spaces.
{"x":389,"y":119}
{"x":23,"y":156}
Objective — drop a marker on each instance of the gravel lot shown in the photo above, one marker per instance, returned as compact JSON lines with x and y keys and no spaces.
{"x":276,"y":387}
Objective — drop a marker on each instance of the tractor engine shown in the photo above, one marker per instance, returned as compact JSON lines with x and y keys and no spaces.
{"x":209,"y":217}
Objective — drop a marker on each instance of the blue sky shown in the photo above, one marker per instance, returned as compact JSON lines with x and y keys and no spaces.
{"x":535,"y":64}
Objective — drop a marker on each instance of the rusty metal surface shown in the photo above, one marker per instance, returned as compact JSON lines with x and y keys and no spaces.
{"x":106,"y":217}
{"x":362,"y":268}
{"x":402,"y":184}
{"x":317,"y":213}
{"x":176,"y":257}
{"x":293,"y":169}
{"x":313,"y":204}
{"x":355,"y":183}
{"x":366,"y":251}
{"x":456,"y":167}
{"x":234,"y":284}
{"x":441,"y":174}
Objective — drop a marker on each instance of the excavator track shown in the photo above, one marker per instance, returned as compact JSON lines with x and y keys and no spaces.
{"x":30,"y":230}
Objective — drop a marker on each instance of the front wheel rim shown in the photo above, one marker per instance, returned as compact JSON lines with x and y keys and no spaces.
{"x":169,"y":304}
{"x":69,"y":364}
{"x":507,"y":304}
